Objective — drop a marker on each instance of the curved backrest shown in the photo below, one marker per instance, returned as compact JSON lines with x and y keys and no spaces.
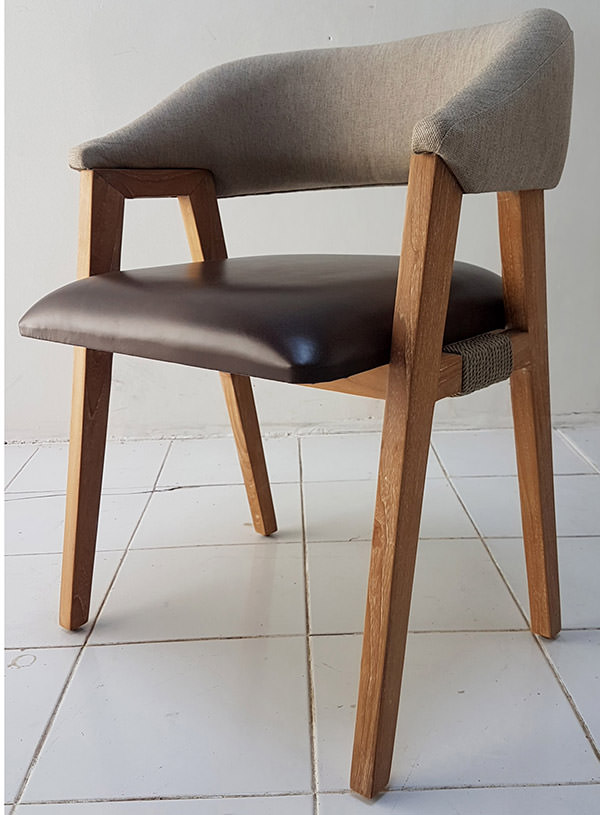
{"x":494,"y":102}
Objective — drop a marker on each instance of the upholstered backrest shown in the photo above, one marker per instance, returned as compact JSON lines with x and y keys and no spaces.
{"x":494,"y":102}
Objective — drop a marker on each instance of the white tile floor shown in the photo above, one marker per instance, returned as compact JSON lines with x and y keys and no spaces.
{"x":219,"y":672}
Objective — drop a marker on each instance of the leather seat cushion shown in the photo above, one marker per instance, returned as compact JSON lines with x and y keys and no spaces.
{"x":293,"y":318}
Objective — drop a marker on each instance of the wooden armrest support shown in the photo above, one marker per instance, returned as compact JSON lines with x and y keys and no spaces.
{"x":154,"y":183}
{"x":104,"y":192}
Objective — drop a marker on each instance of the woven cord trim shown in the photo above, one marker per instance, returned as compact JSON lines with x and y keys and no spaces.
{"x":486,"y":359}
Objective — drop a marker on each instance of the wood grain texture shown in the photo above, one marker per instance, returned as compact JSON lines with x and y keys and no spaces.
{"x":521,"y":220}
{"x":202,"y":221}
{"x":520,"y":348}
{"x":204,"y":232}
{"x":244,"y":423}
{"x":101,"y":209}
{"x":89,"y":417}
{"x":100,"y":231}
{"x":153,"y":183}
{"x":373,"y":383}
{"x":428,"y":243}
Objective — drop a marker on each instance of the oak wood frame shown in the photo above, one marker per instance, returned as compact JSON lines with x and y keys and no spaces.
{"x":418,"y":374}
{"x":202,"y":222}
{"x":374,"y":383}
{"x":101,"y":210}
{"x":102,"y":199}
{"x":428,"y":242}
{"x":522,"y":246}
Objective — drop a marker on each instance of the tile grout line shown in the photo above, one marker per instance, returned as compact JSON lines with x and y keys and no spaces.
{"x":312,"y":711}
{"x":489,"y":476}
{"x":38,"y":495}
{"x":560,"y":433}
{"x":117,"y":643}
{"x":316,"y":635}
{"x":309,"y":661}
{"x":167,"y":548}
{"x":483,"y":542}
{"x":554,"y":670}
{"x":78,"y":658}
{"x":27,"y":495}
{"x":495,"y":562}
{"x":46,"y":730}
{"x":20,"y":470}
{"x":534,"y":785}
{"x":82,"y":648}
{"x":561,"y":683}
{"x":168,"y":798}
{"x":295,"y":543}
{"x":571,"y":444}
{"x":260,"y":795}
{"x":175,"y":487}
{"x":570,"y":699}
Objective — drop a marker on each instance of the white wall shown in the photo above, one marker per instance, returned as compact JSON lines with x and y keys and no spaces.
{"x":78,"y":68}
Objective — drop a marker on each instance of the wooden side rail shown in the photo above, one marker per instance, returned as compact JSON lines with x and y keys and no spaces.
{"x":373,"y":383}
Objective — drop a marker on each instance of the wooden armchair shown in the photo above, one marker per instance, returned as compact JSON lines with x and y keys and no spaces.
{"x":484,"y":109}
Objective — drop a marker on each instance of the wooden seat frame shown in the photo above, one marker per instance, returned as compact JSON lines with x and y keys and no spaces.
{"x":418,"y":374}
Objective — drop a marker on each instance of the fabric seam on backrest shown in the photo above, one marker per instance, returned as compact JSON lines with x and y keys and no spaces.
{"x":499,"y":102}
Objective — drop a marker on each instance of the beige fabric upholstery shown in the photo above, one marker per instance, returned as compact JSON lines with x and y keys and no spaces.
{"x":494,"y":102}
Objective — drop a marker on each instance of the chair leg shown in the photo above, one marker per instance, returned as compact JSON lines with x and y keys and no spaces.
{"x":431,"y":224}
{"x":200,"y":213}
{"x":403,"y":465}
{"x":89,"y":416}
{"x":101,"y":209}
{"x":531,"y":413}
{"x":246,"y":431}
{"x":523,"y":267}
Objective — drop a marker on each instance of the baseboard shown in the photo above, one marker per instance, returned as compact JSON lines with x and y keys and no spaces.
{"x":368,"y":425}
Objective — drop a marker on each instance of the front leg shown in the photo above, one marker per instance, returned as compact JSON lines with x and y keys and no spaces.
{"x":431,"y":224}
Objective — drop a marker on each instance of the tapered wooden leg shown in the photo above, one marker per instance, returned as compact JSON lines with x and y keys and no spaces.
{"x":523,"y":268}
{"x":91,"y":391}
{"x":242,"y":414}
{"x":100,"y":231}
{"x":431,"y":223}
{"x":200,"y":213}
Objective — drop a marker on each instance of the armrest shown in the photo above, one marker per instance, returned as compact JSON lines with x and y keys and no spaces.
{"x":102,"y":198}
{"x":159,"y":183}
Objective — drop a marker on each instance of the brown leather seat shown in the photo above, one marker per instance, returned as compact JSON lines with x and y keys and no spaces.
{"x":296,"y":318}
